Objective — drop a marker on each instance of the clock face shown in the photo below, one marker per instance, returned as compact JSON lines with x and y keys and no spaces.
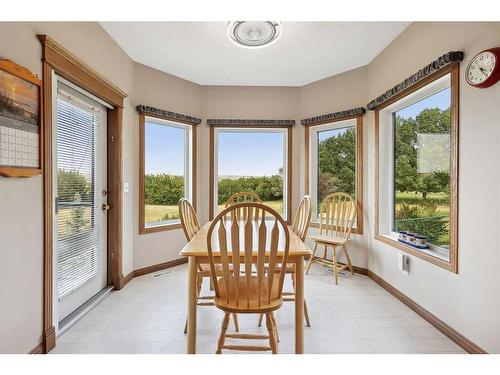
{"x":481,"y":68}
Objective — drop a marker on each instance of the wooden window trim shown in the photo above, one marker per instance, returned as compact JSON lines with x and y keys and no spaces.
{"x":359,"y":166}
{"x":212,"y":164}
{"x":166,"y":227}
{"x":56,"y":58}
{"x":452,"y":264}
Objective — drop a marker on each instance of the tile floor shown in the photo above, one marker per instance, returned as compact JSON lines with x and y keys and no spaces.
{"x":357,"y":316}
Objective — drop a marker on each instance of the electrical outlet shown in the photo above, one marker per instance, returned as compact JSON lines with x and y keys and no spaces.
{"x":125,"y":187}
{"x":404,"y":263}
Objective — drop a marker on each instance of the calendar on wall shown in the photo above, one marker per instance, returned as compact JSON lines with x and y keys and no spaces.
{"x":20,"y":121}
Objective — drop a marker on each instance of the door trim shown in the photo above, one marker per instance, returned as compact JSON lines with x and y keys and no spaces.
{"x":57,"y":59}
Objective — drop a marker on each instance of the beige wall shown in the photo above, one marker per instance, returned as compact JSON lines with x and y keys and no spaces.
{"x":160,"y":90}
{"x":21,"y":236}
{"x":469,"y":301}
{"x":338,"y":93}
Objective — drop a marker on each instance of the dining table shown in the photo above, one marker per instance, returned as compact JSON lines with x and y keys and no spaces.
{"x":197,"y":253}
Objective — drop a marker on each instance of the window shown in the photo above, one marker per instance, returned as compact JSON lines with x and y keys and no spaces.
{"x":417,"y":171}
{"x":334,"y":163}
{"x":166,"y":172}
{"x":255,"y":160}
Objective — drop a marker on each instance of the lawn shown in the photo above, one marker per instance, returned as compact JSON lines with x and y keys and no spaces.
{"x":155,"y":213}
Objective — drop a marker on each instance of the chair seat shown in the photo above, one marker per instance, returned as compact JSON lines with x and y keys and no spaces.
{"x":328,"y":239}
{"x":230,"y":305}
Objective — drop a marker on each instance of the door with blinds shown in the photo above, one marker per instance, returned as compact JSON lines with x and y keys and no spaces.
{"x":80,"y":199}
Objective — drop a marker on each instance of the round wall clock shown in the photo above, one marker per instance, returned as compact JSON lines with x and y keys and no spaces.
{"x":484,"y":69}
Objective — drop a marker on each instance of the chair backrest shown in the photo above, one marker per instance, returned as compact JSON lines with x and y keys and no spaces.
{"x":253,"y":240}
{"x":337,"y":215}
{"x":302,"y":218}
{"x":189,"y":219}
{"x":242,"y":197}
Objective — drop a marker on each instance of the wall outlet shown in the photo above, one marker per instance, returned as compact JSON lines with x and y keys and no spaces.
{"x":404,"y":263}
{"x":125,"y":187}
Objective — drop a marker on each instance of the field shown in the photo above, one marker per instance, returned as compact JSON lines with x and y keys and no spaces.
{"x":155,"y":213}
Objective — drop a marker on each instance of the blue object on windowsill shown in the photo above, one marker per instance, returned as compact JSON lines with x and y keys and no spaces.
{"x":414,"y":245}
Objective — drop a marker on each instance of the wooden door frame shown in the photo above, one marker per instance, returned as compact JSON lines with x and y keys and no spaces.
{"x":56,"y":59}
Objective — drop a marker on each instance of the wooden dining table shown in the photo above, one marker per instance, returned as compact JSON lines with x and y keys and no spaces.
{"x":197,"y":253}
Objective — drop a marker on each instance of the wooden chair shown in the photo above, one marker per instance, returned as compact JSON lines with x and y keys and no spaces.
{"x":243,"y":197}
{"x":300,"y":226}
{"x":337,"y":216}
{"x":244,"y":244}
{"x":191,"y":226}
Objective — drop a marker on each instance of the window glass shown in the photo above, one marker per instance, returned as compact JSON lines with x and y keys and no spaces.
{"x":165,"y":172}
{"x":422,"y":154}
{"x":252,"y":161}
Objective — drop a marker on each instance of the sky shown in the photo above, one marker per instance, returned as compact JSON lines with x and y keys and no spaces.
{"x":440,"y":100}
{"x":331,"y":133}
{"x":164,"y":151}
{"x":250,"y":153}
{"x":239,"y":153}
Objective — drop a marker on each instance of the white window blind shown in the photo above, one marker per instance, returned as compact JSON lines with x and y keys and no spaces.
{"x":76,"y":202}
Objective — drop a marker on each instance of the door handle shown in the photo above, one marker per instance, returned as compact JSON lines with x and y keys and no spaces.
{"x":105,"y":207}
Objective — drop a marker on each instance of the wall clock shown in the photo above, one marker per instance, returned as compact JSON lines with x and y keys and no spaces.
{"x":484,"y":69}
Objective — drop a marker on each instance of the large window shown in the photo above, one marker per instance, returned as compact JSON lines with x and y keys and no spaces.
{"x":166,"y":172}
{"x":254,"y":160}
{"x":417,"y":171}
{"x":334,"y":157}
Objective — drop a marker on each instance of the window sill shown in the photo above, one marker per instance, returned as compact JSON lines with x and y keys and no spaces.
{"x":426,"y":254}
{"x":160,"y":228}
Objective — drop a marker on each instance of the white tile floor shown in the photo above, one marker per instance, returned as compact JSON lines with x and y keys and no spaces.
{"x":357,"y":316}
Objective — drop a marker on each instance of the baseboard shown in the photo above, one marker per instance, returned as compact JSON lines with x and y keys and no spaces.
{"x":151,"y":269}
{"x":49,"y":339}
{"x":360,"y":270}
{"x":37,"y":350}
{"x":448,"y":331}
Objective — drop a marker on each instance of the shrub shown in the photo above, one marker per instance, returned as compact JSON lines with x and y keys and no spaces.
{"x":435,"y":228}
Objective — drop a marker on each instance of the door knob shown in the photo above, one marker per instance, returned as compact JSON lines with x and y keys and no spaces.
{"x":105,"y":207}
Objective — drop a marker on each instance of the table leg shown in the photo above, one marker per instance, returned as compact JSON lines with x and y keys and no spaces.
{"x":192,"y":300}
{"x":299,"y":305}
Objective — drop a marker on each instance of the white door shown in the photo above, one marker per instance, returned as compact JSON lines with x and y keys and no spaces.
{"x":80,"y":199}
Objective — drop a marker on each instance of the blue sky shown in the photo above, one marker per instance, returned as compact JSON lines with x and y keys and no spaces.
{"x":240,"y":154}
{"x":250,"y":153}
{"x":440,"y":100}
{"x":164,"y":151}
{"x":331,"y":133}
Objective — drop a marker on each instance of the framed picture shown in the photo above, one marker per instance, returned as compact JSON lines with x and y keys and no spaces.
{"x":20,"y":121}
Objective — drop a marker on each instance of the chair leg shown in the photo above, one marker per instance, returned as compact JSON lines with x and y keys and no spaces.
{"x":335,"y":269}
{"x":349,"y":263}
{"x":211,"y":284}
{"x":306,"y":314}
{"x":311,"y":258}
{"x":275,"y":325}
{"x":325,"y":251}
{"x":260,"y":319}
{"x":235,"y":321}
{"x":222,"y":337}
{"x":272,"y":335}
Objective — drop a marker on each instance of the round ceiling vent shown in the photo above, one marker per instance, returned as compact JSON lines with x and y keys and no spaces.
{"x":252,"y":34}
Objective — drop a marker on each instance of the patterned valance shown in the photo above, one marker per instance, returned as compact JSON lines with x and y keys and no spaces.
{"x":249,"y":123}
{"x":439,"y":63}
{"x":167,"y":115}
{"x":334,"y":116}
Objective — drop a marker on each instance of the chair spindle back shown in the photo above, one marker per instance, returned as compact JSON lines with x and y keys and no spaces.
{"x":242,"y":231}
{"x":243,"y":197}
{"x":337,"y":215}
{"x":302,"y":218}
{"x":189,"y":219}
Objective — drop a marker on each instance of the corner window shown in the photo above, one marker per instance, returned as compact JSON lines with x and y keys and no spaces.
{"x":254,"y":160}
{"x":417,"y":172}
{"x":333,"y":161}
{"x":166,"y":172}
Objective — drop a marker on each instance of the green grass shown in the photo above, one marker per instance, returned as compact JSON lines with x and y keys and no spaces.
{"x":155,"y":213}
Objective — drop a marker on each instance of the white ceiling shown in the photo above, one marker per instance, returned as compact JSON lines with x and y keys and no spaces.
{"x":201,"y":51}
